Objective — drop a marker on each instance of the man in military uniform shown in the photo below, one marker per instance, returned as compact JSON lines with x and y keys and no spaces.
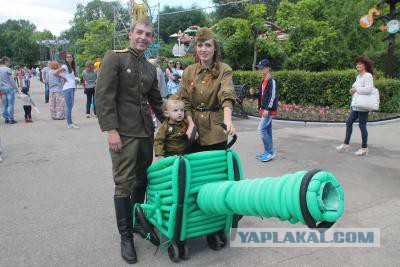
{"x":126,"y":85}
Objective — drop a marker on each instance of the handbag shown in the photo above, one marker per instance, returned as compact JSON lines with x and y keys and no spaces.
{"x":366,"y":102}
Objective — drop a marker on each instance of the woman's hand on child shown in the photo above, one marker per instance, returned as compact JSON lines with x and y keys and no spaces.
{"x":190,"y":130}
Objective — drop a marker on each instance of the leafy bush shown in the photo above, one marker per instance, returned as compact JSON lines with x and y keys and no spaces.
{"x":328,"y":88}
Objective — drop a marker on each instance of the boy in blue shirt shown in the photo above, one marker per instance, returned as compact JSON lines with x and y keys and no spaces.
{"x":267,"y":107}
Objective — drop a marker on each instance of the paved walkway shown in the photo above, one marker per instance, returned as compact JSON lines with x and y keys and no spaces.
{"x":56,"y":194}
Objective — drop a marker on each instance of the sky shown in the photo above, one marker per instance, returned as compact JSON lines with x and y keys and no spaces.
{"x":55,"y":15}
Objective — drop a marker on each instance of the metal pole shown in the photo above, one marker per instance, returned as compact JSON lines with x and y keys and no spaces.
{"x":158,"y":30}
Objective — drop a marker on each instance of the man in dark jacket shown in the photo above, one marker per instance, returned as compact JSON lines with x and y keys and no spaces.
{"x":267,"y":106}
{"x":126,"y":85}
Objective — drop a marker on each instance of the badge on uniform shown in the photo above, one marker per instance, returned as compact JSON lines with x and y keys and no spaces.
{"x":170,"y":129}
{"x":128,"y":71}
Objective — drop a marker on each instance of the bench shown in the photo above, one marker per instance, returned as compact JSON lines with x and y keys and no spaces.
{"x":238,"y":110}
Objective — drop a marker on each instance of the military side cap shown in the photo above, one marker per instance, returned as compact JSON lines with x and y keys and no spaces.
{"x":204,"y":34}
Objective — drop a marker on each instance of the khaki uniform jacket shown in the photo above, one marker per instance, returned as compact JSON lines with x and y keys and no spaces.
{"x":171,"y":139}
{"x":208,"y":93}
{"x":127,"y":82}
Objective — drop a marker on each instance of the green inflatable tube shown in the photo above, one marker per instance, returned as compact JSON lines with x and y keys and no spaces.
{"x":275,"y":197}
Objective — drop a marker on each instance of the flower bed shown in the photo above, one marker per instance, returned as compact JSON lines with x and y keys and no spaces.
{"x":313,"y":113}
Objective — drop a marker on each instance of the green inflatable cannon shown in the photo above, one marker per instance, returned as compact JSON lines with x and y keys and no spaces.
{"x":205,"y":194}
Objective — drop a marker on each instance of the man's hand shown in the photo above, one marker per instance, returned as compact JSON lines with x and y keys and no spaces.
{"x":353,"y":90}
{"x":114,"y":141}
{"x":265,"y":113}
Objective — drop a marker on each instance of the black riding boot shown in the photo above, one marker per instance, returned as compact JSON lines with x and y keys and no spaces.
{"x":137,"y":196}
{"x":123,"y":211}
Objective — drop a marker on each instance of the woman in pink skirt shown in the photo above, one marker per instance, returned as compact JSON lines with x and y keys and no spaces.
{"x":56,"y":96}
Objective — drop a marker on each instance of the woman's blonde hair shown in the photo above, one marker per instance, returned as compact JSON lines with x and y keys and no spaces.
{"x":53,"y":65}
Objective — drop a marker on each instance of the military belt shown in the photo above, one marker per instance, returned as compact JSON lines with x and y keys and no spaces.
{"x":205,"y":109}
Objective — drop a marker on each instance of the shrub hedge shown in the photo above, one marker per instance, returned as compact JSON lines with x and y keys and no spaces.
{"x":328,"y":88}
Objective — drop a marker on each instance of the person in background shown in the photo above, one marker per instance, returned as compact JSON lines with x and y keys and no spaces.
{"x":56,"y":96}
{"x":89,"y":76}
{"x":14,"y":75}
{"x":267,"y":106}
{"x":97,"y":64}
{"x":27,"y":78}
{"x":8,"y":89}
{"x":27,"y":103}
{"x":45,"y":80}
{"x":179,"y":69}
{"x":363,"y":85}
{"x":162,"y":86}
{"x":68,"y":73}
{"x":173,"y":79}
{"x":20,"y":76}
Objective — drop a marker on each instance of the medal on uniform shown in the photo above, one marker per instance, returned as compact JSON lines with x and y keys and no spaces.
{"x":170,"y":129}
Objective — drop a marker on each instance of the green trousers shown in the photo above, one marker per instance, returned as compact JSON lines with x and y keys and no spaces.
{"x":130,"y":165}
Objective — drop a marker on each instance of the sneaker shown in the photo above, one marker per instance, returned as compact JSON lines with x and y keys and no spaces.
{"x":343,"y":148}
{"x":267,"y":157}
{"x":72,"y":126}
{"x":361,"y":152}
{"x":13,"y":121}
{"x":87,"y":115}
{"x":258,"y":156}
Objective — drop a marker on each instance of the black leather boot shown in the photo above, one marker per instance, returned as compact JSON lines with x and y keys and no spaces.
{"x":123,"y":211}
{"x":137,"y":196}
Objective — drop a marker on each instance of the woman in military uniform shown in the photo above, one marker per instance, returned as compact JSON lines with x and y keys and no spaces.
{"x":208,"y":94}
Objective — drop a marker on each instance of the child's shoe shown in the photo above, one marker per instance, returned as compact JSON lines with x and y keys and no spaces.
{"x":362,"y":152}
{"x":343,"y":148}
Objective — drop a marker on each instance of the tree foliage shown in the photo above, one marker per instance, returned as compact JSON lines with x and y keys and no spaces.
{"x":18,"y":41}
{"x":170,"y":24}
{"x":96,"y":41}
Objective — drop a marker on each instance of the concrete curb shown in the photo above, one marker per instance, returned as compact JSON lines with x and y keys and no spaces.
{"x":315,"y":123}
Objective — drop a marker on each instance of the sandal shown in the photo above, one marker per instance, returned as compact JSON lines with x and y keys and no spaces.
{"x":361,"y":152}
{"x":343,"y":148}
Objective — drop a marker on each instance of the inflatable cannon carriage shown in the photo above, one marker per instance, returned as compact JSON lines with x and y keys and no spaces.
{"x":205,"y":194}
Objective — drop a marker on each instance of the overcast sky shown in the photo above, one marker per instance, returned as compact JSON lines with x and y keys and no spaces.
{"x":55,"y":15}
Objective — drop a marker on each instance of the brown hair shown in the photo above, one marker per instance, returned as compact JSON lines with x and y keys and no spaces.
{"x":4,"y":59}
{"x":146,"y":21}
{"x":368,"y":63}
{"x":53,"y":65}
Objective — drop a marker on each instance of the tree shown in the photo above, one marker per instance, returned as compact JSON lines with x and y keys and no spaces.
{"x":391,"y":38}
{"x":94,"y":10}
{"x":170,"y":24}
{"x":96,"y":41}
{"x":18,"y":42}
{"x":238,"y":34}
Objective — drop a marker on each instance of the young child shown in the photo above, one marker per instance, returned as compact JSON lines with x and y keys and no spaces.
{"x":171,"y":138}
{"x":27,"y":103}
{"x":267,"y":106}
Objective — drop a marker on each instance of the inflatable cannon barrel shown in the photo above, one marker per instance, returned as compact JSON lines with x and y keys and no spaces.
{"x":202,"y":194}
